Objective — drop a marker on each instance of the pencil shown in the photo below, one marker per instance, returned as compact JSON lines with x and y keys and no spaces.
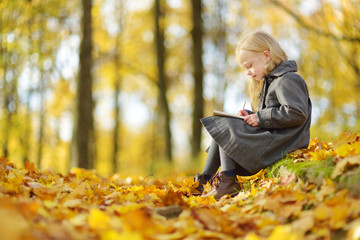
{"x":244,"y":105}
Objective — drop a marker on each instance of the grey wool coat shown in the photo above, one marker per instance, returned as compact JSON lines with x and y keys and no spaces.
{"x":284,"y":117}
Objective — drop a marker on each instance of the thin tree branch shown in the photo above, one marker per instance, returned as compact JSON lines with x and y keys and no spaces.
{"x":311,"y":28}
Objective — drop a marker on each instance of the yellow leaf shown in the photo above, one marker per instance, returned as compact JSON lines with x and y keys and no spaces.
{"x":123,"y":209}
{"x":50,"y":204}
{"x":259,"y":175}
{"x":16,"y":176}
{"x":9,"y":188}
{"x":254,"y":190}
{"x":348,"y":149}
{"x":322,"y":154}
{"x":98,"y":220}
{"x":252,"y":236}
{"x":322,"y":212}
{"x":283,"y":233}
{"x":338,"y":217}
{"x":313,"y":143}
{"x":136,"y":188}
{"x":84,"y":189}
{"x":139,"y":220}
{"x":344,"y":139}
{"x":84,"y":174}
{"x":12,"y":224}
{"x":329,"y":182}
{"x":113,"y":235}
{"x":197,"y":201}
{"x":78,"y":220}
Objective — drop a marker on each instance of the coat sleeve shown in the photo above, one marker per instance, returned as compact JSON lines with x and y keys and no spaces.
{"x":292,"y":95}
{"x":249,"y":111}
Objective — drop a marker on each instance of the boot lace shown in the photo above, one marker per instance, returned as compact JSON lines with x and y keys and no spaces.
{"x":215,"y":180}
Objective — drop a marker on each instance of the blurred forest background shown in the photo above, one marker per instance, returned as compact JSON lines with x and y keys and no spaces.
{"x":120,"y":85}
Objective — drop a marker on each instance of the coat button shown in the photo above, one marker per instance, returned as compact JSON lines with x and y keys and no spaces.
{"x":267,"y":123}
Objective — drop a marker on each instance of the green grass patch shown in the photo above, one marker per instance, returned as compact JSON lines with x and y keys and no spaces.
{"x":306,"y":169}
{"x":315,"y":172}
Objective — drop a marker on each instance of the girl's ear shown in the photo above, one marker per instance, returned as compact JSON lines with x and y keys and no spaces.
{"x":267,"y":55}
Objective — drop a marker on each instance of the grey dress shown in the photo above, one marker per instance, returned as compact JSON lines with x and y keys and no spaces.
{"x":284,"y":117}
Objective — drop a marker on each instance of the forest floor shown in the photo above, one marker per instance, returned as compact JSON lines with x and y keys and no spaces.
{"x":311,"y":194}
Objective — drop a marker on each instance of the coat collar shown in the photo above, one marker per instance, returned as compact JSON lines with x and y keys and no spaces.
{"x":284,"y":67}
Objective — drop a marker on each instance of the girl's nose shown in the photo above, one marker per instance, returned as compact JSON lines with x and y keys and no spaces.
{"x":248,"y":72}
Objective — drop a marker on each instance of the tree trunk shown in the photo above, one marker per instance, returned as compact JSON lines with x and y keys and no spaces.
{"x":9,"y":93}
{"x":5,"y":128}
{"x":7,"y":117}
{"x":25,"y":137}
{"x":116,"y":141}
{"x":83,"y":154}
{"x":41,"y":90}
{"x":117,"y":87}
{"x":41,"y":118}
{"x":198,"y":111}
{"x":162,"y":84}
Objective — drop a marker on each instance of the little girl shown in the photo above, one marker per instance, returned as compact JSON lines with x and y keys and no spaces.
{"x":279,"y":124}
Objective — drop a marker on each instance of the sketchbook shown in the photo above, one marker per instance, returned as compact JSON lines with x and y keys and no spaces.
{"x":224,"y":114}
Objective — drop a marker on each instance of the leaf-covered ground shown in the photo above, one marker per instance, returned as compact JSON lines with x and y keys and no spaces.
{"x":312,"y":194}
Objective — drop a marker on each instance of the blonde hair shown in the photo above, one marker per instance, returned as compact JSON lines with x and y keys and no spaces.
{"x":259,"y":42}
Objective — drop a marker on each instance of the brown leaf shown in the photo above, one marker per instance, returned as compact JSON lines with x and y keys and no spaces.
{"x":304,"y":223}
{"x":168,"y":211}
{"x":342,"y":164}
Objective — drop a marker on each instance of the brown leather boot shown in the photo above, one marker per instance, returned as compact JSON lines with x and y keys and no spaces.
{"x":222,"y":185}
{"x":200,"y":188}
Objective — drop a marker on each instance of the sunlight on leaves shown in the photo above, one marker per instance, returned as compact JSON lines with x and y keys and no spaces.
{"x":84,"y":205}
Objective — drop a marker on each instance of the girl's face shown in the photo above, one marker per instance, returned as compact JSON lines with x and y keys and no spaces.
{"x":254,"y":63}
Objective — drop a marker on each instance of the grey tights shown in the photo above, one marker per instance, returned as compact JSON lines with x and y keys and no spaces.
{"x":217,"y":157}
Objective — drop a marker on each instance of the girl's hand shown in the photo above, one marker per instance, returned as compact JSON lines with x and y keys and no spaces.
{"x":242,"y":113}
{"x":252,"y":120}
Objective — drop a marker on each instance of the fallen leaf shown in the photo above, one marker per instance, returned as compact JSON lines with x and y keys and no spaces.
{"x":98,"y":220}
{"x":342,"y":164}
